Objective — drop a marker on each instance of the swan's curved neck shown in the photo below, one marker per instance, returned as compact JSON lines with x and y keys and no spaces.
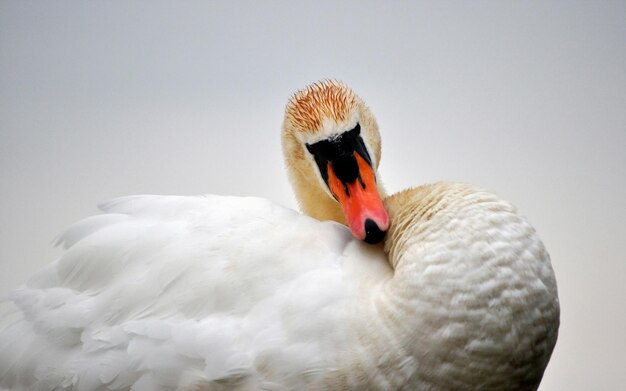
{"x":411,"y":212}
{"x":313,"y":200}
{"x":458,"y":253}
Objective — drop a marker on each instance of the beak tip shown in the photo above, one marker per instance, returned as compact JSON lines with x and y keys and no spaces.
{"x":373,"y":234}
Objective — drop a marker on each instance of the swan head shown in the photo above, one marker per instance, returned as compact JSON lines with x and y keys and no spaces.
{"x":331,"y":147}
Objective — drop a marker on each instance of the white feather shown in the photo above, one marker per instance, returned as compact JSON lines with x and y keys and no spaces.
{"x":163,"y":290}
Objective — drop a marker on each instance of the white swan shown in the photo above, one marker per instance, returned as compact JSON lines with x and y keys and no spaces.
{"x":216,"y":293}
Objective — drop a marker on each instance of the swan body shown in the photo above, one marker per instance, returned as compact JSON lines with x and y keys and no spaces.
{"x":230,"y":293}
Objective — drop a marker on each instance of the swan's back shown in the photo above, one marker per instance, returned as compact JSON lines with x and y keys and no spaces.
{"x":166,"y":292}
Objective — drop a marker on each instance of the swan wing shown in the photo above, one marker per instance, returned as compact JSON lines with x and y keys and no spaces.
{"x":168,"y":292}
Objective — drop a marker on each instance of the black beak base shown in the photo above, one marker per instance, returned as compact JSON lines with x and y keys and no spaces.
{"x":339,"y":152}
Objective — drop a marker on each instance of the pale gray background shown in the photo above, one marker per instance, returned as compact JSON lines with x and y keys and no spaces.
{"x":102,"y":99}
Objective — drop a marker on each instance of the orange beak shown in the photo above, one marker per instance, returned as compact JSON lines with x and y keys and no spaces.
{"x":364,"y":210}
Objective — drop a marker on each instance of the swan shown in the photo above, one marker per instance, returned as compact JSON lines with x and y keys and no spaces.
{"x":234,"y":293}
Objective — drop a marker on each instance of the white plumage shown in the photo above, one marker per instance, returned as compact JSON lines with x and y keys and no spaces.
{"x":212,"y":293}
{"x":161,"y":291}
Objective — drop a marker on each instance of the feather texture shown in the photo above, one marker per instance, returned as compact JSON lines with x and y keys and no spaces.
{"x":160,"y":292}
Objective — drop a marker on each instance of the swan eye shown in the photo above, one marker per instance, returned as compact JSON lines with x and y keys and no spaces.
{"x":339,"y":152}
